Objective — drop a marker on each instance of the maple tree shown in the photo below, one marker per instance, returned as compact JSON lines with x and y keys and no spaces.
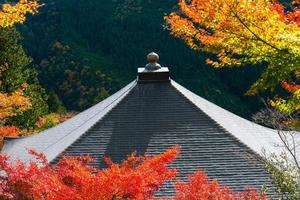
{"x":137,"y":177}
{"x":200,"y":187}
{"x":241,"y":32}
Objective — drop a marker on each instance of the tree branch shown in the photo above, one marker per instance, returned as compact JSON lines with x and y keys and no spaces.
{"x":253,"y":33}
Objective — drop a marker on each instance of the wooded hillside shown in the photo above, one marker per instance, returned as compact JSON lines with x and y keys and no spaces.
{"x":85,"y":50}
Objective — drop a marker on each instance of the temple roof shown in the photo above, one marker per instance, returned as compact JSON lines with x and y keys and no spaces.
{"x":151,"y":116}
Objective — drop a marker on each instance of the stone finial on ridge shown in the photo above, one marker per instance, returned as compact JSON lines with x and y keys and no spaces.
{"x":153,"y":72}
{"x":152,"y":59}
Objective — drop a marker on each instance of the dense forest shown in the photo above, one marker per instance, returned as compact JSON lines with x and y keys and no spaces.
{"x":85,"y":50}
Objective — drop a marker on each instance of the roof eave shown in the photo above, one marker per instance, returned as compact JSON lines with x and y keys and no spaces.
{"x":53,"y":141}
{"x":258,"y":138}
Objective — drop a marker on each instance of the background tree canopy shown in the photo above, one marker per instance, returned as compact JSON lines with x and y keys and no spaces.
{"x":25,"y":106}
{"x":101,"y":44}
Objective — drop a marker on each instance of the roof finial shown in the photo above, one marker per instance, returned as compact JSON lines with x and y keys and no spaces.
{"x":152,"y":59}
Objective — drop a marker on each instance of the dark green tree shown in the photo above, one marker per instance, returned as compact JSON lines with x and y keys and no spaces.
{"x":114,"y":37}
{"x":55,"y":104}
{"x":20,"y":73}
{"x":73,"y":79}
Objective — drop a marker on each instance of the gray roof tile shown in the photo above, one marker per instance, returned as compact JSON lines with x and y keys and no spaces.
{"x":155,"y":116}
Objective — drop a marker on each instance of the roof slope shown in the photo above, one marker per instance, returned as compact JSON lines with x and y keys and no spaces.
{"x":257,"y":137}
{"x":53,"y":141}
{"x":154,"y":117}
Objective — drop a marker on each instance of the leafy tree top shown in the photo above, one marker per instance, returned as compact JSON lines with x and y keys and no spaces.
{"x":243,"y":32}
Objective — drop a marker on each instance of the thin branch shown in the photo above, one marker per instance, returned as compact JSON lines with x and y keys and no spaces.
{"x":284,"y":140}
{"x":290,"y":151}
{"x":253,"y":33}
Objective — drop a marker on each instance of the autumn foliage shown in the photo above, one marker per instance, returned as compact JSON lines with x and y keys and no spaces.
{"x":135,"y":178}
{"x":11,"y":14}
{"x":241,"y":32}
{"x":200,"y":187}
{"x":9,"y":131}
{"x":291,"y":103}
{"x":290,"y":87}
{"x":12,"y":104}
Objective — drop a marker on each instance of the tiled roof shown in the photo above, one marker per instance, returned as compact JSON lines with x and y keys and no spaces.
{"x":255,"y":136}
{"x":53,"y":141}
{"x":154,"y":117}
{"x":151,"y":117}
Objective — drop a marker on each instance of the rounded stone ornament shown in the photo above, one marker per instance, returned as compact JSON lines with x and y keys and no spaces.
{"x":152,"y":59}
